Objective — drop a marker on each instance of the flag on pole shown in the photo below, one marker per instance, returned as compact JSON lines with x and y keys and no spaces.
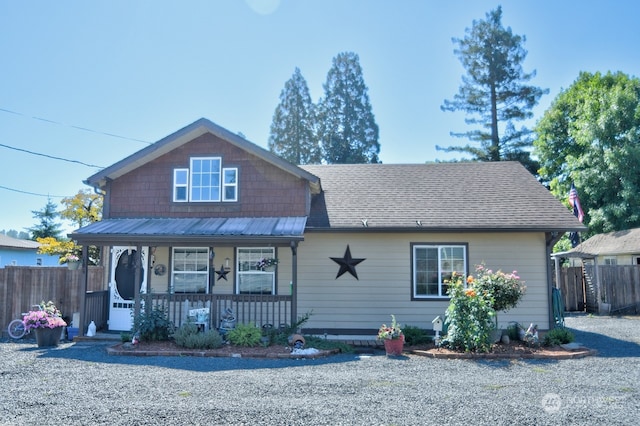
{"x":574,"y":201}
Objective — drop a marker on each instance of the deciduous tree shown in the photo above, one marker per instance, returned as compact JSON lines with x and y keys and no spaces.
{"x":591,"y":136}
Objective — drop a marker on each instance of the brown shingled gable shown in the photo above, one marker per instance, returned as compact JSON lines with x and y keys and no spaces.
{"x":439,"y":196}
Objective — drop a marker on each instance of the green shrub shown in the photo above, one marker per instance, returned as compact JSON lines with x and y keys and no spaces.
{"x":153,"y":325}
{"x":558,"y":336}
{"x":125,"y":337}
{"x":414,"y":335}
{"x":245,"y":335}
{"x":187,"y":336}
{"x":469,"y":319}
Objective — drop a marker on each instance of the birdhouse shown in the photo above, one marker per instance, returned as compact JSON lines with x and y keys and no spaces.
{"x":437,"y":324}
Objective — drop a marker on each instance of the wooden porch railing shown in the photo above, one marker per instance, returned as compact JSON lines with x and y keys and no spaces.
{"x":247,"y":308}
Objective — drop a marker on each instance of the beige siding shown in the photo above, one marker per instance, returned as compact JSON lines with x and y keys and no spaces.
{"x":384,"y":284}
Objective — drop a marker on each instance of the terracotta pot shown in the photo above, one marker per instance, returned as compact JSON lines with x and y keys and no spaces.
{"x":46,"y":337}
{"x":393,"y":347}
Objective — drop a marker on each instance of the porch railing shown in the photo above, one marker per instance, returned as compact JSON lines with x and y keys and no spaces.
{"x":247,"y":308}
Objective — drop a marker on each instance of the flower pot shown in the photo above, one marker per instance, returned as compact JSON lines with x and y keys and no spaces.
{"x":46,"y":337}
{"x":74,"y":265}
{"x":393,"y":347}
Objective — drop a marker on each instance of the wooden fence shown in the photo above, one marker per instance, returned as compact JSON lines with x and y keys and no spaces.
{"x":24,"y":286}
{"x":619,"y":286}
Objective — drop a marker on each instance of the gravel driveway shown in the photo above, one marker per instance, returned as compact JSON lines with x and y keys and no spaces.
{"x":79,"y":384}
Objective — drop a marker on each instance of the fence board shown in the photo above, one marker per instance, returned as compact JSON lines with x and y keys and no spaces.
{"x":24,"y":286}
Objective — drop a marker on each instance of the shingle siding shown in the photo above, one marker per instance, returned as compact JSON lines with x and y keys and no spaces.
{"x":263,"y":189}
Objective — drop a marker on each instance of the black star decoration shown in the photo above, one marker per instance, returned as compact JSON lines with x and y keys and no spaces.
{"x":347,"y":263}
{"x":222,"y":273}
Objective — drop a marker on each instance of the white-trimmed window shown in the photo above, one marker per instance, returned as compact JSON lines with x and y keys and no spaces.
{"x":205,"y":181}
{"x":180,"y":185}
{"x":190,"y":270}
{"x":230,"y":184}
{"x":610,"y":260}
{"x":250,"y":279}
{"x":432,"y":265}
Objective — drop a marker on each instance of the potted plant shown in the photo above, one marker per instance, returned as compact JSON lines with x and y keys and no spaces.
{"x":392,"y":337}
{"x":73,"y":261}
{"x":47,"y":322}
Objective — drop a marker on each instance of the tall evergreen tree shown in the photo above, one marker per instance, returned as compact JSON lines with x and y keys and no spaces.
{"x":47,"y":226}
{"x":493,"y":94}
{"x":346,"y":126}
{"x":292,"y":129}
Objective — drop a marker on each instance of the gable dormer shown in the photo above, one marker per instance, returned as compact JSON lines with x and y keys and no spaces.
{"x":204,"y":170}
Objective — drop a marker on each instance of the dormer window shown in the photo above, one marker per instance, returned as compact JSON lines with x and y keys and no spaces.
{"x":205,"y":181}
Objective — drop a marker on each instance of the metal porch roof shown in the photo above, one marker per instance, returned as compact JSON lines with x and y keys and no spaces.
{"x":236,"y":230}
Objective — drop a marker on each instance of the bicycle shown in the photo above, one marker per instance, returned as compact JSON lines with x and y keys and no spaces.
{"x":17,"y":329}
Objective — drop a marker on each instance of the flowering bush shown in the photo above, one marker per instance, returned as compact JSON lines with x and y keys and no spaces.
{"x":48,"y":316}
{"x":266,"y":262}
{"x":503,"y":290}
{"x":390,"y":332}
{"x":469,"y":317}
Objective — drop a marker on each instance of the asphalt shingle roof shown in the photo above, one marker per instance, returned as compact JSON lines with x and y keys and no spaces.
{"x":439,"y":196}
{"x":612,"y":243}
{"x":10,"y":242}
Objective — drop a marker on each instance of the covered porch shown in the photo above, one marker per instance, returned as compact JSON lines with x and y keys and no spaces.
{"x":143,"y":236}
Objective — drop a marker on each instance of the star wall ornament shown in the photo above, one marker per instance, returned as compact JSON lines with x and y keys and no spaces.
{"x":347,"y":263}
{"x":222,"y":273}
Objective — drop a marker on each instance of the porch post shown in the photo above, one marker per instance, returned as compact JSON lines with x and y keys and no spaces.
{"x":136,"y":282}
{"x":294,"y":282}
{"x":83,"y":290}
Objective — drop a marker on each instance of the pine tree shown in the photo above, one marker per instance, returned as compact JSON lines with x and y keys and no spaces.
{"x":292,"y":129}
{"x":347,"y":129}
{"x":47,"y":227}
{"x":493,"y":93}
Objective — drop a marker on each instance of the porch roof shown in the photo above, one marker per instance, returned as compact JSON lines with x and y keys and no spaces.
{"x":172,"y":231}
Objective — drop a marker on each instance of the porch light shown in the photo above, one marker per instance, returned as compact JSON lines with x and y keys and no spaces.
{"x":226,"y":263}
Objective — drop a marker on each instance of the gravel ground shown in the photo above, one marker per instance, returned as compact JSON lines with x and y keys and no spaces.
{"x":79,"y":384}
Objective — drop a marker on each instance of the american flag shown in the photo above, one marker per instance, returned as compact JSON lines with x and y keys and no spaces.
{"x":575,"y":203}
{"x":577,"y":211}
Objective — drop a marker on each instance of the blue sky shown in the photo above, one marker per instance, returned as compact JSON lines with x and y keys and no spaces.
{"x":144,"y":69}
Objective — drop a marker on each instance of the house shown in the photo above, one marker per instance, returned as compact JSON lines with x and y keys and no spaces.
{"x":192,"y":218}
{"x":612,"y":248}
{"x":16,"y":252}
{"x":609,"y":264}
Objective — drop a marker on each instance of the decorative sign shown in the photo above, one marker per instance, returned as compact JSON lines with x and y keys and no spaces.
{"x":347,"y":263}
{"x":160,"y":269}
{"x":222,"y":273}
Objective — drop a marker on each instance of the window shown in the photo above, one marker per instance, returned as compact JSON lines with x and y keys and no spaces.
{"x":205,"y":179}
{"x":230,"y":184}
{"x":180,"y":184}
{"x":190,"y":272}
{"x":433,"y":265}
{"x":610,"y":260}
{"x":250,"y":279}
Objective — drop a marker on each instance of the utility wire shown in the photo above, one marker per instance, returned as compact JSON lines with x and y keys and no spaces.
{"x":51,"y":156}
{"x":33,"y":193}
{"x":76,"y":127}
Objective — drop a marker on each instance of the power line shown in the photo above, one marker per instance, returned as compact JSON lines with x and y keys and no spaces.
{"x":76,"y":127}
{"x":33,"y":193}
{"x":51,"y":156}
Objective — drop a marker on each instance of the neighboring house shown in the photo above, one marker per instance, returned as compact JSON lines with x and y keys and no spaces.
{"x":612,"y":248}
{"x":16,"y":252}
{"x":191,"y":216}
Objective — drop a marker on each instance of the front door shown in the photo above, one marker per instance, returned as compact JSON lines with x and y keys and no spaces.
{"x":122,"y":288}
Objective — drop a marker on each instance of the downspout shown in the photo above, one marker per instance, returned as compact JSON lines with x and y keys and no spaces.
{"x":551,"y":239}
{"x":294,"y":282}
